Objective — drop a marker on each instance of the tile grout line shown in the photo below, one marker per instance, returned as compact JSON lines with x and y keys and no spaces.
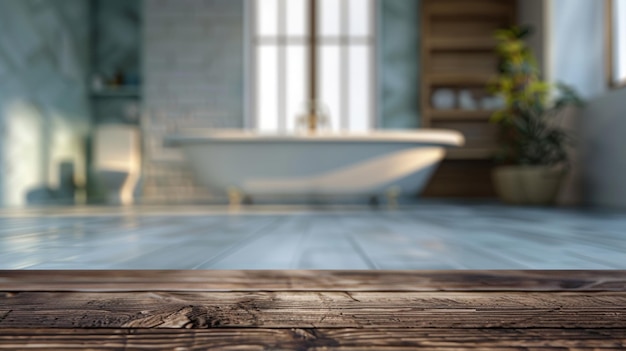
{"x":359,"y":250}
{"x":156,"y":228}
{"x":255,"y":235}
{"x":297,"y":257}
{"x":196,"y":228}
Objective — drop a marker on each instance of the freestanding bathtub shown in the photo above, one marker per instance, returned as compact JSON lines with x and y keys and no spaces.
{"x":314,"y":166}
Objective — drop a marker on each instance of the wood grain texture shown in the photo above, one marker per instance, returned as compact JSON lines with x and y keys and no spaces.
{"x":312,"y":339}
{"x":306,"y":310}
{"x":314,"y":310}
{"x":294,"y":280}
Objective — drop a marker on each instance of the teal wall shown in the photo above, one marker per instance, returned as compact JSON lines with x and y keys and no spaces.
{"x":399,"y":64}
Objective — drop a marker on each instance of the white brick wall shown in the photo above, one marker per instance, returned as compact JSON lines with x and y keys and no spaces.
{"x":193,"y":72}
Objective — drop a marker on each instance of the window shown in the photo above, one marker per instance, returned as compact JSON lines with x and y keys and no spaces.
{"x":305,"y":50}
{"x":617,"y":42}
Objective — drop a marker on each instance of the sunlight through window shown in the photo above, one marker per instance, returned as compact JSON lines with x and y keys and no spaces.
{"x":618,"y":33}
{"x":343,"y":64}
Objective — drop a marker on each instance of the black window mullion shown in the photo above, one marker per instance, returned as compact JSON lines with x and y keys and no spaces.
{"x":315,"y":47}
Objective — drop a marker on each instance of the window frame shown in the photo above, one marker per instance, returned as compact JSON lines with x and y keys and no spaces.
{"x":610,"y":52}
{"x":252,"y":40}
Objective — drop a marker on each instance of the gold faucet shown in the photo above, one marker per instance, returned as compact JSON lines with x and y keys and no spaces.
{"x":312,"y":121}
{"x":313,"y":118}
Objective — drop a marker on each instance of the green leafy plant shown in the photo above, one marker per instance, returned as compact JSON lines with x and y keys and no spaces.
{"x":531,"y":131}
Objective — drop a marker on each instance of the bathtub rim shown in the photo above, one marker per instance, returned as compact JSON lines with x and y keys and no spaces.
{"x":436,"y":137}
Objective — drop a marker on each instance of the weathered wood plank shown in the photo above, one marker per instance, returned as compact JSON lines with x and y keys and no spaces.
{"x":313,"y":310}
{"x":313,"y":280}
{"x":311,"y":339}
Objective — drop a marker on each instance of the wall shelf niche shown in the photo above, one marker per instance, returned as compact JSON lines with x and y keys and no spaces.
{"x":118,"y":92}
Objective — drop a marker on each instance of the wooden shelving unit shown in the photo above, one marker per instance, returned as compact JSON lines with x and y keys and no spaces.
{"x":458,"y":54}
{"x":461,"y":79}
{"x":475,"y":8}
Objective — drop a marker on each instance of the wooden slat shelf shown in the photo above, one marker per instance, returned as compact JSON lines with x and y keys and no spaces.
{"x":474,"y":44}
{"x":459,"y":115}
{"x":470,"y":154}
{"x":460,"y":79}
{"x":459,"y":8}
{"x":119,"y":92}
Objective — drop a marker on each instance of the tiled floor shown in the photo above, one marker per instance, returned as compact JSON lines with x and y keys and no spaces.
{"x":430,"y":235}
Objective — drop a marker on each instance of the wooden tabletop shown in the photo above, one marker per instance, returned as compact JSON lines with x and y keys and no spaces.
{"x":313,"y":310}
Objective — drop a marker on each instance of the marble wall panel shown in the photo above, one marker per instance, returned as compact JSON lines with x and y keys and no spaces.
{"x":44,"y":110}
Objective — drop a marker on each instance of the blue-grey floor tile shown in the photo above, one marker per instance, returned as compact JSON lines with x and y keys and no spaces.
{"x":428,"y":235}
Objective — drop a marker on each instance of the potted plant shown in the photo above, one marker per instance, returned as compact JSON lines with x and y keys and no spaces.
{"x":533,"y":144}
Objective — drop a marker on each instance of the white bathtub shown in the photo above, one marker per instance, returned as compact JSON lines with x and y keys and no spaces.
{"x":314,"y":166}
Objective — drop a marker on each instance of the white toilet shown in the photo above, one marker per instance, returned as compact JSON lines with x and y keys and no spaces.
{"x":117,"y":161}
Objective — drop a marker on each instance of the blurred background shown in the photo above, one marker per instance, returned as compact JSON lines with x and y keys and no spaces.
{"x":71,"y":69}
